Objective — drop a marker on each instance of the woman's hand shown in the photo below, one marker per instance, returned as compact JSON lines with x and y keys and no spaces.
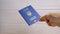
{"x":52,"y":19}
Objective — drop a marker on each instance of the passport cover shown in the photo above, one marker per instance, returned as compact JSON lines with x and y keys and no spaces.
{"x":30,"y":15}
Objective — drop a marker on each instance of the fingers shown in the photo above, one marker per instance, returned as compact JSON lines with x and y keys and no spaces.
{"x":47,"y":19}
{"x":43,"y":19}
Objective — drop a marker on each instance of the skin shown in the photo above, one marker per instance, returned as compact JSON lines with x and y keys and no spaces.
{"x":51,"y":20}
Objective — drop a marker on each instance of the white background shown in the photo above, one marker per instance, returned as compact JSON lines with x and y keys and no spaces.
{"x":11,"y":21}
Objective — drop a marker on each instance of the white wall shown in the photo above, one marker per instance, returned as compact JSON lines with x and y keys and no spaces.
{"x":11,"y":21}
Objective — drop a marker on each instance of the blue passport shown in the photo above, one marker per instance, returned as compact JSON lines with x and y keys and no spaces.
{"x":30,"y":15}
